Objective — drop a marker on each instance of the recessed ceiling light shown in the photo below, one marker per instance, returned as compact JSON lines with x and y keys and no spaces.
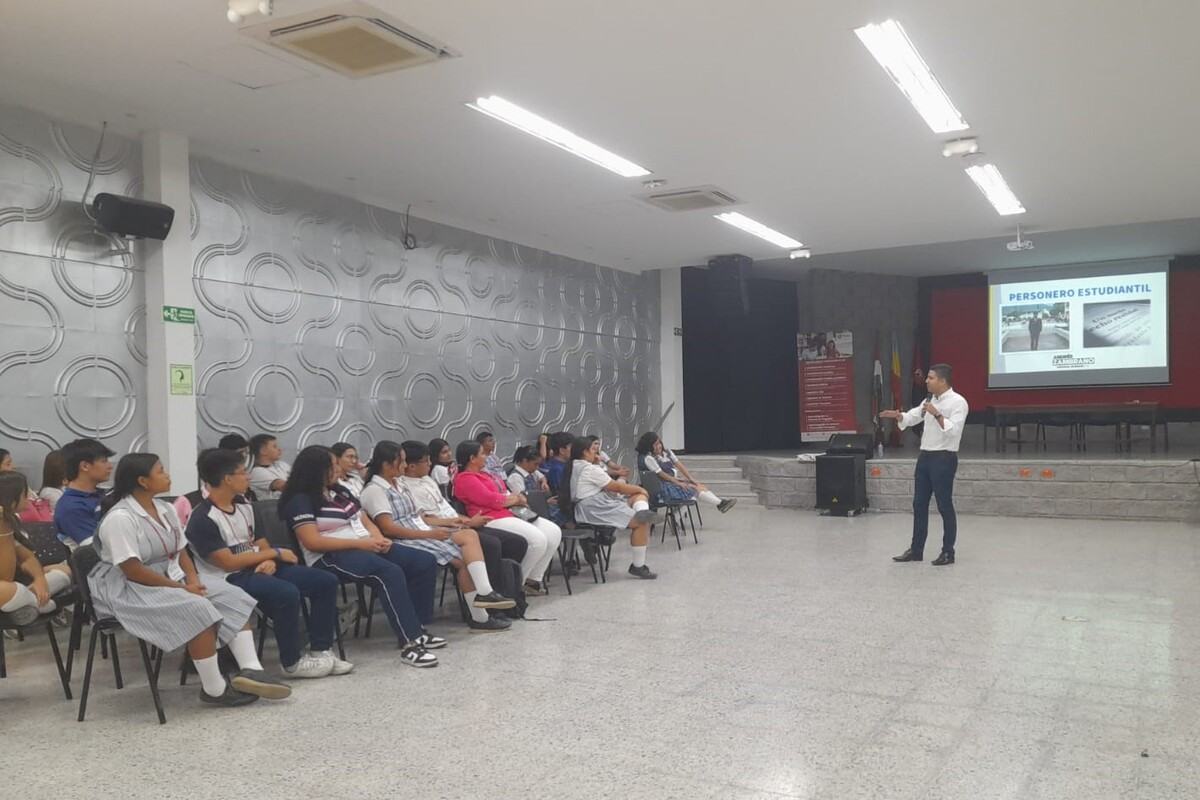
{"x":894,"y":51}
{"x":556,"y":135}
{"x":803,"y":252}
{"x":989,"y":180}
{"x":758,"y":229}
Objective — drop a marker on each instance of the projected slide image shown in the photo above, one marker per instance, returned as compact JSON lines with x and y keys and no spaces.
{"x":1035,"y":327}
{"x":1124,"y":324}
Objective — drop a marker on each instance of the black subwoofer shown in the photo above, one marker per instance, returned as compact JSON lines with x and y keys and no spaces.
{"x":842,"y":484}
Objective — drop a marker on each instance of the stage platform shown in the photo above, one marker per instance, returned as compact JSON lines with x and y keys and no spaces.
{"x":1033,"y":483}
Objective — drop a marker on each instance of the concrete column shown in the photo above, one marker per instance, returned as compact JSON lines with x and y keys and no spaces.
{"x":169,"y":344}
{"x":671,"y":355}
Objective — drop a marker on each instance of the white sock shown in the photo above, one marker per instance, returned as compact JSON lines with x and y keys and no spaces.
{"x":477,"y":614}
{"x":639,"y":556}
{"x":641,"y":505}
{"x":709,"y":498}
{"x":243,"y":650}
{"x":478,"y":572}
{"x":211,"y":678}
{"x":56,"y":581}
{"x":22,"y":598}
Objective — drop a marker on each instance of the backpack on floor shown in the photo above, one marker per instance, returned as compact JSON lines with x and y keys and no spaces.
{"x":510,"y":584}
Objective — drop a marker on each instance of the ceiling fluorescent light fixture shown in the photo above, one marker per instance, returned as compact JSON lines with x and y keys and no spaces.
{"x":556,"y":135}
{"x":992,"y":184}
{"x":758,"y":229}
{"x":894,"y":51}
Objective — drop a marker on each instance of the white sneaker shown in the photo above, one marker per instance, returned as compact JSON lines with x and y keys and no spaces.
{"x":310,"y":665}
{"x":340,"y":667}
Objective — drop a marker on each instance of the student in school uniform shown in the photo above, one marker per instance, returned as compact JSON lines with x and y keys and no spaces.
{"x":491,"y":462}
{"x":27,"y":588}
{"x":335,"y":534}
{"x":350,"y":471}
{"x":86,"y":465}
{"x":559,"y":451}
{"x":487,"y":495}
{"x":678,"y":486}
{"x":526,"y":477}
{"x":54,"y":478}
{"x":597,"y":499}
{"x":269,"y":472}
{"x":147,"y":580}
{"x":391,"y":507}
{"x":442,"y":468}
{"x":222,"y":536}
{"x":437,"y":512}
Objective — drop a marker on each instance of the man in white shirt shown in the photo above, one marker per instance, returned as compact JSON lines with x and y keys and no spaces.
{"x":944,"y":414}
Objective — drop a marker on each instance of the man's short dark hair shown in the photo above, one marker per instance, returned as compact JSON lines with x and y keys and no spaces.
{"x":216,"y":463}
{"x":483,"y":436}
{"x":560,"y":440}
{"x":80,"y":451}
{"x":944,"y":371}
{"x":414,"y":451}
{"x":525,"y":452}
{"x":233,"y":441}
{"x":258,"y":442}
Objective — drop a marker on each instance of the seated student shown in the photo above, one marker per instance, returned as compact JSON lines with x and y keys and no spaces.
{"x":437,"y":512}
{"x":350,"y":473}
{"x":186,"y":503}
{"x":238,"y":443}
{"x":678,"y":486}
{"x":269,"y":472}
{"x":491,"y":462}
{"x":442,"y":468}
{"x":22,"y":601}
{"x":597,"y":499}
{"x":336,"y":535}
{"x":485,"y":494}
{"x":37,"y":509}
{"x":615,"y":470}
{"x":86,"y":465}
{"x":147,"y":580}
{"x":54,"y":478}
{"x":222,"y":536}
{"x":392,"y":508}
{"x":559,"y":447}
{"x":526,"y":478}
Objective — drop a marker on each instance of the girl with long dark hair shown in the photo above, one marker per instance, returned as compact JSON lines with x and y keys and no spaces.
{"x":335,"y":534}
{"x":22,"y":601}
{"x":147,"y":580}
{"x":597,"y":499}
{"x":678,"y":485}
{"x":443,"y":468}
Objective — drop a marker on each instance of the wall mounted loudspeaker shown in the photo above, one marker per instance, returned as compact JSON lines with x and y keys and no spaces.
{"x":129,"y":216}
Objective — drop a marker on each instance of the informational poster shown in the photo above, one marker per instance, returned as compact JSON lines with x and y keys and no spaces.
{"x":826,"y":384}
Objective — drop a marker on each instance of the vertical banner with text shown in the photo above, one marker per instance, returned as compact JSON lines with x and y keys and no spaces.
{"x":826,"y":384}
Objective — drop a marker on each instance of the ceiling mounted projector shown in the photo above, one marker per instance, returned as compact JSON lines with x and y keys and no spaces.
{"x":1018,"y":244}
{"x":966,"y":146}
{"x":240,"y":9}
{"x":802,"y":252}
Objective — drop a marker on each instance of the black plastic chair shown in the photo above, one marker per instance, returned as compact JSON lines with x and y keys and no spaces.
{"x":46,"y":554}
{"x":674,"y":509}
{"x":539,"y":503}
{"x":49,"y":550}
{"x":83,"y":561}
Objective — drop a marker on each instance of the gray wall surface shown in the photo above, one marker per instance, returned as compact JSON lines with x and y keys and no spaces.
{"x":314,"y":322}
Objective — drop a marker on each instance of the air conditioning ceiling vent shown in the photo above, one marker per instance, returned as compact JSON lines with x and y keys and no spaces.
{"x":697,"y":198}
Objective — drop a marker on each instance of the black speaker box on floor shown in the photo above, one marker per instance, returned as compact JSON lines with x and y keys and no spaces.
{"x":842,"y":484}
{"x":129,"y":216}
{"x":850,"y":444}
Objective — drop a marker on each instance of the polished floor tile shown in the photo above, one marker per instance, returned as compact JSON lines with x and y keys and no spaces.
{"x":785,"y":656}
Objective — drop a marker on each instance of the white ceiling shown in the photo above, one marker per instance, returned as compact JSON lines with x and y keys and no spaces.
{"x":1088,"y":107}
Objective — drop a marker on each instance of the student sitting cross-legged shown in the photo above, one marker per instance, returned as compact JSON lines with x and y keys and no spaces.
{"x":147,"y":580}
{"x":678,"y":485}
{"x":393,"y":509}
{"x":21,"y":601}
{"x":597,"y":499}
{"x":221,"y":533}
{"x":335,"y":534}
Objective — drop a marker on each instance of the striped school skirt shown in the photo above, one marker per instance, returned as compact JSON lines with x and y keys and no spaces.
{"x":443,"y":550}
{"x":604,"y":508}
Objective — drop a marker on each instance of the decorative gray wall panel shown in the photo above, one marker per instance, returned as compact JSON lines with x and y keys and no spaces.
{"x":314,"y":322}
{"x":318,"y":325}
{"x":72,"y":341}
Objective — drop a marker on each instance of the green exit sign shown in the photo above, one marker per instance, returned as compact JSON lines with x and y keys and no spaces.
{"x":186,"y":316}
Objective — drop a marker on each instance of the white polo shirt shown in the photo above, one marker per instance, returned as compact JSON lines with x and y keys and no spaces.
{"x":953,"y":408}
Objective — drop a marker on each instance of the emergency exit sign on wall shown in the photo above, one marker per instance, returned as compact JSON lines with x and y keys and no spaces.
{"x":185,"y":316}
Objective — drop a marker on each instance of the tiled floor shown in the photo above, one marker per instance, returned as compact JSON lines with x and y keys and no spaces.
{"x":785,"y":656}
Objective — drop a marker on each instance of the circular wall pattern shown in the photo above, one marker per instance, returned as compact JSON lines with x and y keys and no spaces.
{"x":531,"y":403}
{"x":266,"y":275}
{"x":423,"y":315}
{"x":351,"y":251}
{"x":355,"y":351}
{"x":118,"y":280}
{"x":424,"y":399}
{"x":262,"y":384}
{"x":481,"y":361}
{"x":110,"y":381}
{"x":531,"y":324}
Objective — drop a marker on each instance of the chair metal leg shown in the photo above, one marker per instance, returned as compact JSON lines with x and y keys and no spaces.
{"x":3,"y":662}
{"x":337,"y":629}
{"x":58,"y":662}
{"x":692,"y":521}
{"x":358,"y":613}
{"x":700,"y":516}
{"x":152,"y":679}
{"x":370,"y":612}
{"x":562,"y":562}
{"x":262,"y":634}
{"x":442,"y":595}
{"x":184,"y":668}
{"x":158,"y":659}
{"x":116,"y":660}
{"x":87,"y":671}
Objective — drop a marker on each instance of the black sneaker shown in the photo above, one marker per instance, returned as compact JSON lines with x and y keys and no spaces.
{"x":229,"y":698}
{"x":642,"y":572}
{"x":260,"y":683}
{"x":534,"y":588}
{"x":493,"y":625}
{"x":431,"y":642}
{"x":725,"y":505}
{"x":416,"y":656}
{"x":493,"y":600}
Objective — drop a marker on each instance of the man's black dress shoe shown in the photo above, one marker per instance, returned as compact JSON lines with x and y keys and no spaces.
{"x":908,"y":555}
{"x":943,"y":560}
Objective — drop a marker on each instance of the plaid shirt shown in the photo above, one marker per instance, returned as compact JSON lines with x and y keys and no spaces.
{"x":404,"y":509}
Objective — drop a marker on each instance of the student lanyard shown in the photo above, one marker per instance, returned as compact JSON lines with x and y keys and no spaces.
{"x":154,"y":527}
{"x":229,"y":533}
